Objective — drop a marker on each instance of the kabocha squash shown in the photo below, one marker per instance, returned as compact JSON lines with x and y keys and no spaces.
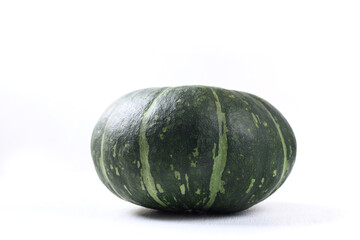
{"x":193,"y":148}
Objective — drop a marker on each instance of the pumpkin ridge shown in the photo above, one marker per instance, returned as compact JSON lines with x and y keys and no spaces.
{"x":145,"y":171}
{"x":216,"y":184}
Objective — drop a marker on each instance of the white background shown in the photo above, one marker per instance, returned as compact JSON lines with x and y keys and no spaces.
{"x":63,"y":62}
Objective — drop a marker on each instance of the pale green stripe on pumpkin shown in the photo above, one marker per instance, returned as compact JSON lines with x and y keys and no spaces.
{"x":145,"y":170}
{"x":216,"y":184}
{"x":286,"y":164}
{"x":101,"y":160}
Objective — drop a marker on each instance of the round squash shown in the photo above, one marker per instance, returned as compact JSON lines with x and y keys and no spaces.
{"x":193,"y":148}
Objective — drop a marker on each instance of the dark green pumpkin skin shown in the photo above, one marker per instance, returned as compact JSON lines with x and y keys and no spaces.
{"x":193,"y":148}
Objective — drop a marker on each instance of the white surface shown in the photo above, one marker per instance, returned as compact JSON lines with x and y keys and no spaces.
{"x":63,"y":62}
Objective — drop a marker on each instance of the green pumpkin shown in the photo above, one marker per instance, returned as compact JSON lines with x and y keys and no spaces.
{"x":193,"y":148}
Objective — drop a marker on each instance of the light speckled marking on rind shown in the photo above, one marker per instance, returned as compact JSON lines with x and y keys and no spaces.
{"x":195,"y":153}
{"x":187,"y":181}
{"x":286,"y":163}
{"x":251,"y":198}
{"x":255,"y":120}
{"x":216,"y":184}
{"x":127,"y":189}
{"x":145,"y":170}
{"x":177,"y":175}
{"x":182,"y":189}
{"x":117,"y":171}
{"x":262,"y":182}
{"x":250,"y":186}
{"x":114,"y":152}
{"x":158,"y":186}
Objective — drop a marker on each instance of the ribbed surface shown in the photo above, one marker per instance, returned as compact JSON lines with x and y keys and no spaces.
{"x":193,"y":147}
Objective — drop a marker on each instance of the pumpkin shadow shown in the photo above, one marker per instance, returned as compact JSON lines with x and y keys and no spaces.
{"x":264,"y":214}
{"x":186,"y":215}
